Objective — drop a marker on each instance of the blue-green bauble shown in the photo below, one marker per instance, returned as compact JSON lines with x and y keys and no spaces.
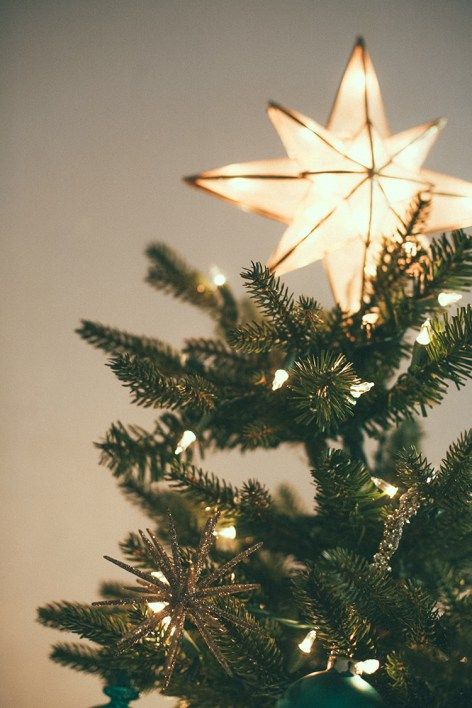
{"x":330,"y":689}
{"x":120,"y":696}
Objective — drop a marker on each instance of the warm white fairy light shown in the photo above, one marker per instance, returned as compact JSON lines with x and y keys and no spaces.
{"x":280,"y":377}
{"x":160,"y":576}
{"x":357,"y":390}
{"x":369,"y":666}
{"x":306,"y":644}
{"x":370,"y":270}
{"x":370,"y":318}
{"x":226,"y":532}
{"x":424,"y":336}
{"x":158,"y":606}
{"x":188,"y":437}
{"x":410,"y":248}
{"x":384,"y":486}
{"x":219,"y":278}
{"x":448,"y":297}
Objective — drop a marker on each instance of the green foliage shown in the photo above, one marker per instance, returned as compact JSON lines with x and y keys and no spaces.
{"x":90,"y":622}
{"x":290,"y":324}
{"x":347,"y":499}
{"x":318,"y":566}
{"x":151,"y":389}
{"x":255,"y":338}
{"x":205,"y":486}
{"x":448,"y":357}
{"x":254,"y":653}
{"x":321,"y":389}
{"x":449,"y":351}
{"x":169,"y":273}
{"x":452,"y":486}
{"x":115,"y":341}
{"x":407,"y":434}
{"x":133,"y":450}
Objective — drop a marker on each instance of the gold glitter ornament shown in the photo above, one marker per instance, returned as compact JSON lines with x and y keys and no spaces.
{"x":345,"y":187}
{"x":182,"y":593}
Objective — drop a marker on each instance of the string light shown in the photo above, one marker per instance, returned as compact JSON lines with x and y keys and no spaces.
{"x":188,"y":437}
{"x":448,"y":297}
{"x":280,"y":377}
{"x":384,"y":486}
{"x":158,"y":606}
{"x":219,"y":278}
{"x":357,"y":390}
{"x":306,"y":645}
{"x":226,"y":532}
{"x":424,"y":336}
{"x":369,"y":666}
{"x":370,"y":318}
{"x":410,"y":248}
{"x":370,"y":270}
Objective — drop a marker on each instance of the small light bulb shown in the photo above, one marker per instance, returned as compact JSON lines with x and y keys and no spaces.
{"x":188,"y":437}
{"x":448,"y":297}
{"x":384,"y":486}
{"x":158,"y":606}
{"x":160,"y":576}
{"x":280,"y":377}
{"x":424,"y":336}
{"x":217,"y":276}
{"x":307,"y":643}
{"x":357,"y":390}
{"x":370,"y":270}
{"x":370,"y":318}
{"x":369,"y":666}
{"x":410,"y":248}
{"x":227,"y":532}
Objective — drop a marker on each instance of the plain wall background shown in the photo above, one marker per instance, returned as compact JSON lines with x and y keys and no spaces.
{"x":105,"y":106}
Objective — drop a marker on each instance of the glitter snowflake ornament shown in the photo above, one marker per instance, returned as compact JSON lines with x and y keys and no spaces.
{"x":179,"y":592}
{"x":343,"y":187}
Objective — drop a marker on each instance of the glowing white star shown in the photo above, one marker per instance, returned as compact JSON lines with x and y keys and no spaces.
{"x":345,"y":187}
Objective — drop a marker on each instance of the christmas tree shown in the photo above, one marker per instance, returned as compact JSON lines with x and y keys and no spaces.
{"x":242,"y":597}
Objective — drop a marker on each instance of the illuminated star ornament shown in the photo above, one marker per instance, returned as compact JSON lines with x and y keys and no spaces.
{"x":344,"y":188}
{"x":176,"y":593}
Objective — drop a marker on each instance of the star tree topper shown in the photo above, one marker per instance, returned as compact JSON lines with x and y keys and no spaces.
{"x":344,"y":188}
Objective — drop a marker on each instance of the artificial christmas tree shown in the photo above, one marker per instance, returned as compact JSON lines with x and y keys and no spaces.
{"x":376,"y":572}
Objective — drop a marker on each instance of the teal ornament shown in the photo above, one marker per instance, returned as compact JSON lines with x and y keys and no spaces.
{"x":337,"y":687}
{"x":120,"y":696}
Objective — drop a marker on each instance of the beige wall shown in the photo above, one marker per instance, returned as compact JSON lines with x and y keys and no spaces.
{"x":105,"y":106}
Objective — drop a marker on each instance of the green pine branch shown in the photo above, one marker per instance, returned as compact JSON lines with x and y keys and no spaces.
{"x":346,"y":498}
{"x":452,"y":486}
{"x":253,"y":653}
{"x":151,"y":389}
{"x":91,"y":623}
{"x":321,"y":390}
{"x":256,"y":337}
{"x":447,"y":358}
{"x":116,"y":342}
{"x":134,"y":451}
{"x":322,"y":605}
{"x":203,"y":486}
{"x":171,"y":274}
{"x":260,"y":434}
{"x":290,"y":322}
{"x":271,"y":296}
{"x":78,"y":657}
